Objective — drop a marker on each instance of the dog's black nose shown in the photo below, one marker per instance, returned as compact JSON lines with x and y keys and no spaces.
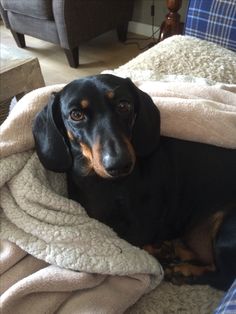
{"x":116,"y":167}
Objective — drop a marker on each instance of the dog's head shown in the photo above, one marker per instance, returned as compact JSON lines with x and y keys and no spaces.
{"x":100,"y":124}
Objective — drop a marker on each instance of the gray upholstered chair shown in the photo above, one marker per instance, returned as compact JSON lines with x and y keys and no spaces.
{"x":67,"y":23}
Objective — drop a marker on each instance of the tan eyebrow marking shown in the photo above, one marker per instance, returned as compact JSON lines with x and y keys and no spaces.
{"x":110,"y":94}
{"x":84,"y":103}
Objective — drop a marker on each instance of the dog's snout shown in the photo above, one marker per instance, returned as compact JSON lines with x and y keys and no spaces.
{"x":117,"y":165}
{"x":118,"y":157}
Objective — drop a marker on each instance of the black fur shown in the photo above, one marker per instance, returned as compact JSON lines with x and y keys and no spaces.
{"x":146,"y":187}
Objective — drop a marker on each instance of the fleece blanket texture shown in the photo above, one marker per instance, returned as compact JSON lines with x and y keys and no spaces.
{"x":187,"y":57}
{"x":56,"y":259}
{"x":39,"y":219}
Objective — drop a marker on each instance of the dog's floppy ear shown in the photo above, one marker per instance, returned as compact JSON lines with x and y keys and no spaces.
{"x":146,"y":129}
{"x":50,"y":144}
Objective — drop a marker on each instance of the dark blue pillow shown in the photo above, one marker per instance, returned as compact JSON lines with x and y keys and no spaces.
{"x":212,"y":20}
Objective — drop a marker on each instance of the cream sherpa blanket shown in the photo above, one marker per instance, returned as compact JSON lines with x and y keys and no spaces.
{"x":183,"y":56}
{"x":38,"y":218}
{"x":54,"y":258}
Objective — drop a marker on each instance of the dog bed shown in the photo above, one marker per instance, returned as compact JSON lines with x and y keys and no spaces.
{"x":61,"y":260}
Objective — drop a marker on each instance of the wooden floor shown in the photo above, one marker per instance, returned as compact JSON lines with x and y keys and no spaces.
{"x":104,"y":52}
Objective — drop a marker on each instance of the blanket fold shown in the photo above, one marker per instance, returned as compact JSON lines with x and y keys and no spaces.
{"x":40,"y":226}
{"x":49,"y":289}
{"x":39,"y":219}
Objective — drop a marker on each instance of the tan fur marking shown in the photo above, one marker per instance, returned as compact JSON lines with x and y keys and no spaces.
{"x":171,"y":250}
{"x":84,"y":103}
{"x":216,"y":221}
{"x":189,"y":270}
{"x":70,"y":135}
{"x":97,"y":165}
{"x":93,"y":155}
{"x":86,"y":151}
{"x":88,"y":155}
{"x":182,"y":252}
{"x":110,"y":94}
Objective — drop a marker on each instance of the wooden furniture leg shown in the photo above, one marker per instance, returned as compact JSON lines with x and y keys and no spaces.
{"x":73,"y":56}
{"x":171,"y":25}
{"x":122,"y":30}
{"x":19,"y":39}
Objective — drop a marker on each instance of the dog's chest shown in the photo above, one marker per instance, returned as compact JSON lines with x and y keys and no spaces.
{"x":124,"y":204}
{"x":105,"y":198}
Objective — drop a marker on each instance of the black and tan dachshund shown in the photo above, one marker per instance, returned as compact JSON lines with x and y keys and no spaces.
{"x":175,"y":198}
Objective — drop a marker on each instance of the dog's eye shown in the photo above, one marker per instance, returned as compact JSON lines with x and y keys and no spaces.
{"x":124,"y":107}
{"x":76,"y":115}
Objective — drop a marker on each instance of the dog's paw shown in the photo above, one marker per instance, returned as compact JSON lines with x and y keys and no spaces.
{"x":185,"y":273}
